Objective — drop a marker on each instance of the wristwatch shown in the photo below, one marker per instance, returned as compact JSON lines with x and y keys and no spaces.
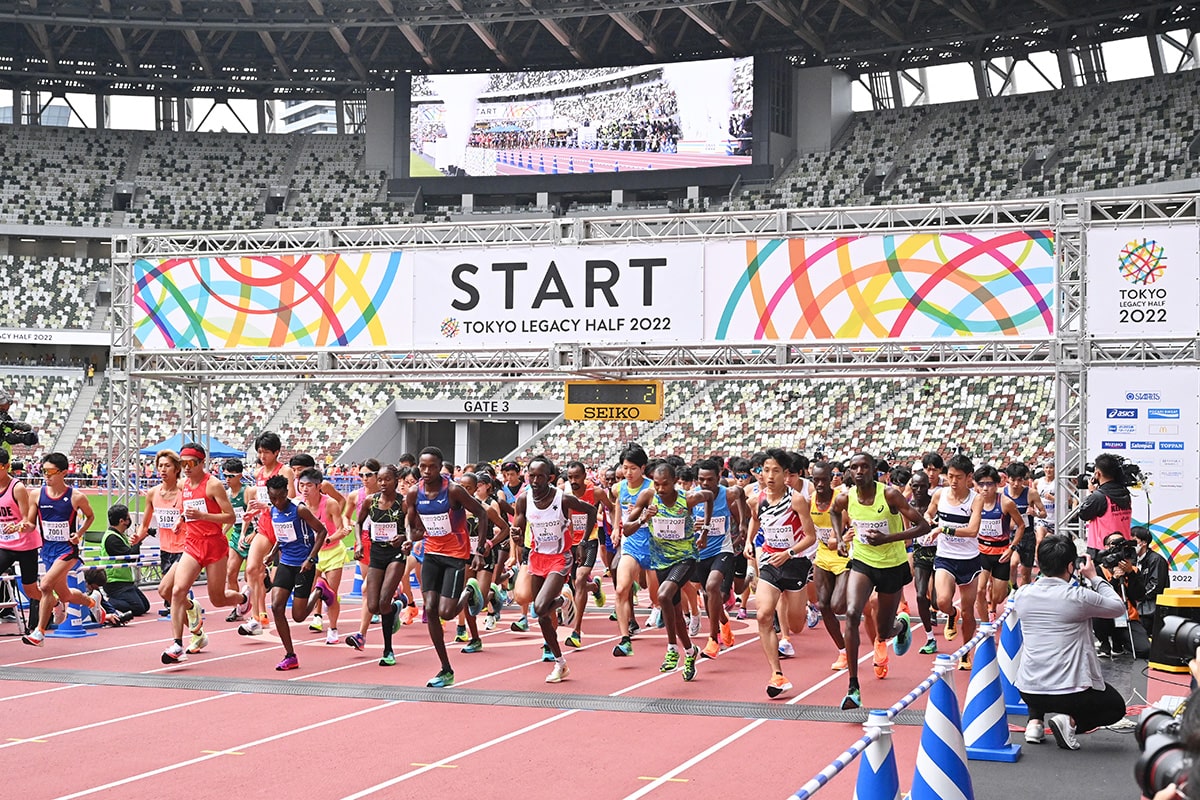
{"x":313,"y":560}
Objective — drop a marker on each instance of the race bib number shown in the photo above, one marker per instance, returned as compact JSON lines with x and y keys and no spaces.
{"x":826,"y":536}
{"x":166,"y":518}
{"x":927,"y":540}
{"x":862,"y":528}
{"x":285,"y":532}
{"x":197,"y":504}
{"x":436,"y":524}
{"x":578,"y":523}
{"x":57,"y":531}
{"x":238,"y":515}
{"x":261,"y":496}
{"x":383,"y":531}
{"x":778,"y":537}
{"x":547,"y":537}
{"x":10,"y":533}
{"x":671,"y":529}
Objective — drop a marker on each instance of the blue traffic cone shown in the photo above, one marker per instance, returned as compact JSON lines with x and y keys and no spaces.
{"x":570,"y":163}
{"x":942,"y":772}
{"x":554,"y":165}
{"x":1011,"y":641}
{"x":591,"y":165}
{"x":985,"y":723}
{"x":72,"y":626}
{"x":355,"y":592}
{"x":541,"y":163}
{"x":877,"y":775}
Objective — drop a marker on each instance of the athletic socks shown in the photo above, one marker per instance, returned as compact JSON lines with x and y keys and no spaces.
{"x":386,"y":622}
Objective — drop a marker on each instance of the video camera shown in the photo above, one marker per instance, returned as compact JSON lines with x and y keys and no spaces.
{"x":14,"y":431}
{"x":1124,"y":550}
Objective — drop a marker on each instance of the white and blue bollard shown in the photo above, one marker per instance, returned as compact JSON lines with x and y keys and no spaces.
{"x":1009,"y":657}
{"x":878,"y":778}
{"x":942,"y":772}
{"x":985,"y":721}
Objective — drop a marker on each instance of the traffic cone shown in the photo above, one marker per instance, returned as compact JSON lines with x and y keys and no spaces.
{"x":942,"y":772}
{"x":72,"y":626}
{"x":985,"y":723}
{"x":355,"y":592}
{"x":1009,"y":656}
{"x":877,"y":775}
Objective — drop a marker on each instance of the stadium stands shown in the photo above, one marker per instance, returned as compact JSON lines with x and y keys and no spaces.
{"x":43,"y":400}
{"x":52,"y":291}
{"x":59,"y":176}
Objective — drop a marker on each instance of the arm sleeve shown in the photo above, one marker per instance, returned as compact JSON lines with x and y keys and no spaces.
{"x":1104,"y":603}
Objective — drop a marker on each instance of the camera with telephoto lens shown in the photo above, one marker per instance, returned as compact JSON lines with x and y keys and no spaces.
{"x":14,"y":431}
{"x":1180,"y":636}
{"x":1166,"y":754}
{"x":1124,"y":550}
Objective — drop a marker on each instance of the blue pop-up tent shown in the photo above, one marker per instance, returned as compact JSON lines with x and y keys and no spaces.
{"x":214,"y":447}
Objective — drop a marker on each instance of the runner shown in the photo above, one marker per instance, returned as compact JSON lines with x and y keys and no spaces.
{"x":484,"y":532}
{"x":634,"y":548}
{"x":957,"y":563}
{"x":831,"y":567}
{"x":332,"y":556}
{"x":1029,"y":506}
{"x":335,"y":531}
{"x":783,"y":517}
{"x":714,"y":567}
{"x":206,"y":510}
{"x":486,"y":493}
{"x":437,"y":515}
{"x":585,"y":544}
{"x":547,"y":522}
{"x":410,"y":581}
{"x":63,"y":515}
{"x":239,"y":547}
{"x":916,"y":488}
{"x":878,"y":562}
{"x":163,"y":512}
{"x":511,"y":487}
{"x":381,"y":533}
{"x":19,"y":536}
{"x":1047,"y":491}
{"x":262,"y":538}
{"x":368,"y":473}
{"x":994,"y":521}
{"x":299,"y":534}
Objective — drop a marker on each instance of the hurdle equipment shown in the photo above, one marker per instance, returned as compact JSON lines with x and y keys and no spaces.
{"x":941,"y":772}
{"x":878,"y":778}
{"x":72,"y":626}
{"x":1009,"y":657}
{"x":985,"y":723}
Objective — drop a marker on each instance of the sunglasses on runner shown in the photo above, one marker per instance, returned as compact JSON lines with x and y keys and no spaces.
{"x":742,"y":475}
{"x":51,"y":471}
{"x":365,"y":475}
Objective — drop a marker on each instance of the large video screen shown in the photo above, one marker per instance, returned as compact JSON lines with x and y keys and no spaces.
{"x":670,"y":116}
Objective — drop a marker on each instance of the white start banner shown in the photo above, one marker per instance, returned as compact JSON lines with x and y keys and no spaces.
{"x":540,"y":296}
{"x":1143,"y":280}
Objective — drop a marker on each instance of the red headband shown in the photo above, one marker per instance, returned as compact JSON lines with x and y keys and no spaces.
{"x":191,"y":452}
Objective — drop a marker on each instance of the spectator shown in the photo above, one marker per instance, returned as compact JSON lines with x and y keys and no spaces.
{"x":1109,"y":508}
{"x":1156,"y":578}
{"x":1060,"y":672}
{"x":123,"y":593}
{"x":1116,"y":638}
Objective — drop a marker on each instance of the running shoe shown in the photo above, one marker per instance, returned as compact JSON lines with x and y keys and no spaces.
{"x":331,"y":636}
{"x":388,"y":660}
{"x":356,"y":641}
{"x":778,"y":685}
{"x":474,"y":646}
{"x":547,"y":656}
{"x":251,"y":628}
{"x":317,"y":625}
{"x":199,"y":642}
{"x":424,"y":617}
{"x":929,"y":648}
{"x":195,"y":617}
{"x":520,"y":626}
{"x":730,"y":601}
{"x":881,"y":660}
{"x":499,"y":598}
{"x":489,"y":622}
{"x":408,"y":615}
{"x":903,"y":640}
{"x":1064,"y":732}
{"x":951,"y":629}
{"x":174,"y":654}
{"x":559,"y":672}
{"x":475,"y":600}
{"x":654,"y":618}
{"x":964,"y":663}
{"x":904,"y":605}
{"x":397,"y":610}
{"x":234,"y":616}
{"x":689,"y":662}
{"x":165,"y":613}
{"x":634,"y":627}
{"x":852,"y":700}
{"x":726,"y":634}
{"x":775,"y":625}
{"x":659,"y":620}
{"x":694,"y":626}
{"x":785,"y":649}
{"x":741,"y":612}
{"x":461,"y":635}
{"x":841,"y":662}
{"x":598,"y":593}
{"x":443,"y":680}
{"x":35,"y":637}
{"x":612,"y":616}
{"x":670,"y":661}
{"x":712,"y":649}
{"x":242,"y":608}
{"x":289,"y":662}
{"x":636,"y":590}
{"x":574,"y":640}
{"x":264,"y":620}
{"x":375,"y":619}
{"x":1035,"y":731}
{"x":624,"y":648}
{"x":814,"y":615}
{"x":327,"y":595}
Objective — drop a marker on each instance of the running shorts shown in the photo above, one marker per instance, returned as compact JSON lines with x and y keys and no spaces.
{"x":886,"y":580}
{"x":26,"y":559}
{"x":790,"y":577}
{"x":964,"y":570}
{"x":544,"y":564}
{"x":58,"y":551}
{"x":207,"y":550}
{"x":235,"y":543}
{"x":444,"y":575}
{"x":332,"y":558}
{"x":721,"y":562}
{"x":383,"y":554}
{"x":999,"y":566}
{"x":923,"y":556}
{"x":298,"y":582}
{"x":830,"y":561}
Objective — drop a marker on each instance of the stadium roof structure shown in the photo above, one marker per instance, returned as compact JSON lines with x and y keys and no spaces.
{"x":324,"y":48}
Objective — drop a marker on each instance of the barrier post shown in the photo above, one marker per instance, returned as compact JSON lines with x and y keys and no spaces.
{"x":985,"y":722}
{"x":1011,"y":641}
{"x":878,"y":778}
{"x":72,"y":626}
{"x":941,"y":772}
{"x":355,"y":592}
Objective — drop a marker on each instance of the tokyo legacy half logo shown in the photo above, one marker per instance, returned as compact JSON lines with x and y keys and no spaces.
{"x":1142,"y":263}
{"x":450,"y":327}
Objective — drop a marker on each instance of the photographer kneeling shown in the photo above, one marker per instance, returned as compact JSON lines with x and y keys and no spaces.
{"x":1118,"y":561}
{"x":1060,"y":672}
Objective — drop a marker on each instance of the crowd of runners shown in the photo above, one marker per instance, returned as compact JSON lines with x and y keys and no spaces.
{"x":814,"y":543}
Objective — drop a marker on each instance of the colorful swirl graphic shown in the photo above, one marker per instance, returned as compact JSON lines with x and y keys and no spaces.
{"x":1176,"y":538}
{"x":1142,"y":263}
{"x":303,"y":300}
{"x":885,"y":287}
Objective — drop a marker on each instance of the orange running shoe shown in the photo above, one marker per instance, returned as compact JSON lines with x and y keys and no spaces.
{"x":711,"y":650}
{"x":881,"y":660}
{"x":841,"y":663}
{"x":726,"y":635}
{"x":778,"y":685}
{"x":904,"y":605}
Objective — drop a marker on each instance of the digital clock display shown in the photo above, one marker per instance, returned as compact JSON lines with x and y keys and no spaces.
{"x":613,"y":393}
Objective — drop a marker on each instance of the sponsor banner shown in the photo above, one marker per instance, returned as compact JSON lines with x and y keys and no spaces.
{"x":1168,"y":501}
{"x":302,"y":300}
{"x":1143,"y":280}
{"x":918,"y":286}
{"x":540,"y":296}
{"x":102,"y":338}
